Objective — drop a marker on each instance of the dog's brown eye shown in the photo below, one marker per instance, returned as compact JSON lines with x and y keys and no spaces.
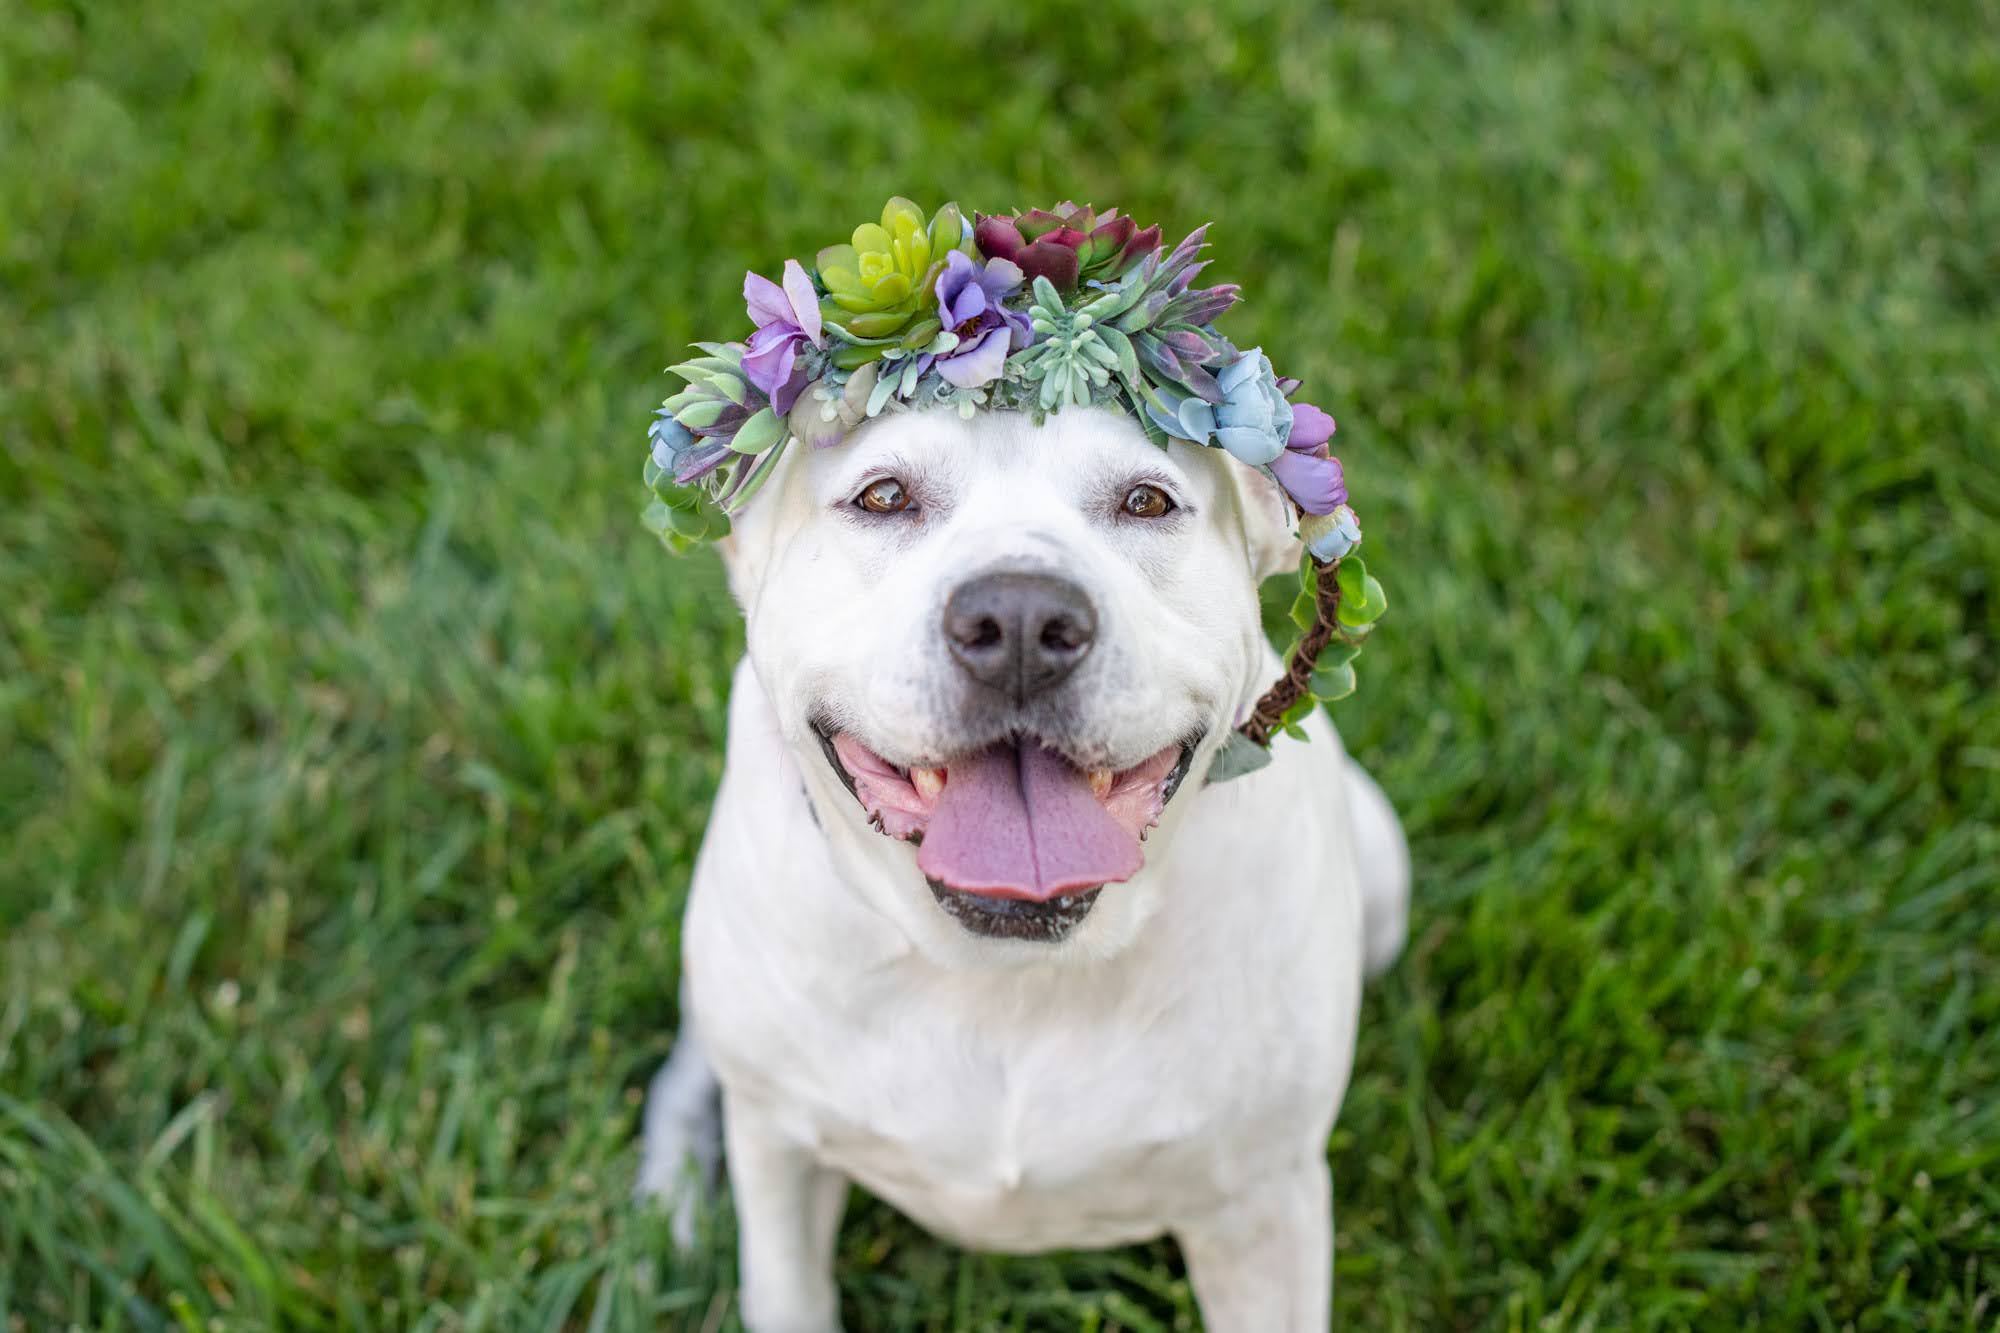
{"x":886,"y":496}
{"x":1148,"y":502}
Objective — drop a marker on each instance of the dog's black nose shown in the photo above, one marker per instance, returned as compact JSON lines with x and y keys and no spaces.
{"x":1019,"y":632}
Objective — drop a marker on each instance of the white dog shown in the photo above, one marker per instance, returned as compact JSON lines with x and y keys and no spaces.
{"x":989,"y":664}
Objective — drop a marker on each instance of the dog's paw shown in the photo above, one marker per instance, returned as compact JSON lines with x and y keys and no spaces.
{"x":672,"y":1181}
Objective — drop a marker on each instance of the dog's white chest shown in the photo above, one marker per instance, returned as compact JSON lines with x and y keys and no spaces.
{"x":1084,"y":1101}
{"x":986,"y":1151}
{"x":1060,"y":1107}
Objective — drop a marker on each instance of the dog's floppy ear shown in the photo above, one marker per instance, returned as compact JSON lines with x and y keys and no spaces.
{"x":743,"y":562}
{"x":730,"y":550}
{"x":756,"y":532}
{"x":1270,"y":532}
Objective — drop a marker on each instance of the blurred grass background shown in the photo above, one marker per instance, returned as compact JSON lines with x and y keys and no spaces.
{"x":354,"y":739}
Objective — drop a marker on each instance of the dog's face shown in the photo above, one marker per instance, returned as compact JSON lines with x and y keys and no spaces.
{"x":999,"y":650}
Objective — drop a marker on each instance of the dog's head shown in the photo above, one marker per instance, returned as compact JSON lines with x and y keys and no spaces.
{"x":999,"y":650}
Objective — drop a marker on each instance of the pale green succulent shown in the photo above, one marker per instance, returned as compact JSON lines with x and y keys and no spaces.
{"x":1070,"y":358}
{"x":880,"y":286}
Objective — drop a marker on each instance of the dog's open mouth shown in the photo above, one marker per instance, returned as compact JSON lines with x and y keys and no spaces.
{"x":1015,"y":840}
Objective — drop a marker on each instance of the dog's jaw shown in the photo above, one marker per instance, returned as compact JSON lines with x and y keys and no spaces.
{"x":1015,"y":918}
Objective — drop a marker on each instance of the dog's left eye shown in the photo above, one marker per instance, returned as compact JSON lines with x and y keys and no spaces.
{"x":887,"y":496}
{"x":1148,"y":501}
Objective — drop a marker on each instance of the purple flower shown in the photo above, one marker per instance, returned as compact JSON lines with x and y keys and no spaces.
{"x":1311,"y":478}
{"x":787,"y":319}
{"x":969,"y":304}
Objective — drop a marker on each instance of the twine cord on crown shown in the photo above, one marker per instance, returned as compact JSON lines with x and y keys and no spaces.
{"x":1268,"y":716}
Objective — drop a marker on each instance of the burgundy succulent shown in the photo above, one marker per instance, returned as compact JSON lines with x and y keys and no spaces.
{"x":1067,"y":244}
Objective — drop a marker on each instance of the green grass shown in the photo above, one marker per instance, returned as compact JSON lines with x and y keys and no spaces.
{"x":354,"y":739}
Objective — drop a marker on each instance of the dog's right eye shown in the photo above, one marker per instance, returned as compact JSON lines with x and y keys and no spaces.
{"x":1148,"y":501}
{"x":886,"y":496}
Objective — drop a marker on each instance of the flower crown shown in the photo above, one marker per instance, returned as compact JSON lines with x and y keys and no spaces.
{"x":1032,"y":313}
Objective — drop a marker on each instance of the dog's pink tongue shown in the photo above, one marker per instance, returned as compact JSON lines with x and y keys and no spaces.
{"x":1021,"y":823}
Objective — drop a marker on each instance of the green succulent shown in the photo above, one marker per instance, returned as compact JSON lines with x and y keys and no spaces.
{"x":880,"y":286}
{"x":718,"y":398}
{"x":1071,"y":358}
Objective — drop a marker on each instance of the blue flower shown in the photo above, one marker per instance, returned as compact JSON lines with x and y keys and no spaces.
{"x":1186,"y":418}
{"x":678,"y":452}
{"x":1331,"y":536}
{"x":1252,"y":421}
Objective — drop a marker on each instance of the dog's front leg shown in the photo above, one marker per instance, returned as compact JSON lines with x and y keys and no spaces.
{"x":788,"y":1210}
{"x":1264,"y":1263}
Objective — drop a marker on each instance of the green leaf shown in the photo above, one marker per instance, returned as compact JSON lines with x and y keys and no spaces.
{"x":848,"y":335}
{"x":1362,"y":600}
{"x":1111,"y":304}
{"x":1352,"y":570}
{"x":1332,"y":680}
{"x":1305,"y":606}
{"x":694,"y":524}
{"x":1367,"y":609}
{"x":878,"y":397}
{"x":1239,"y":755}
{"x":1054,"y":386}
{"x":683,"y":527}
{"x":855,"y":357}
{"x":886,"y":324}
{"x":1301,"y":709}
{"x":706,"y":366}
{"x":678,"y":497}
{"x":919,"y":333}
{"x":759,"y":433}
{"x":1339,"y":652}
{"x":1128,"y":359}
{"x":729,"y":385}
{"x":1146,"y":422}
{"x":702,"y":414}
{"x":764,"y":467}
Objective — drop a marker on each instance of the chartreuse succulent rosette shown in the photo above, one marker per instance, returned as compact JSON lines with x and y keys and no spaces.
{"x":1029,"y":312}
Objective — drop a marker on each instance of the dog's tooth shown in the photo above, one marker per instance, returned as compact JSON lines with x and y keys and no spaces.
{"x":928,"y":782}
{"x":1100,"y":782}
